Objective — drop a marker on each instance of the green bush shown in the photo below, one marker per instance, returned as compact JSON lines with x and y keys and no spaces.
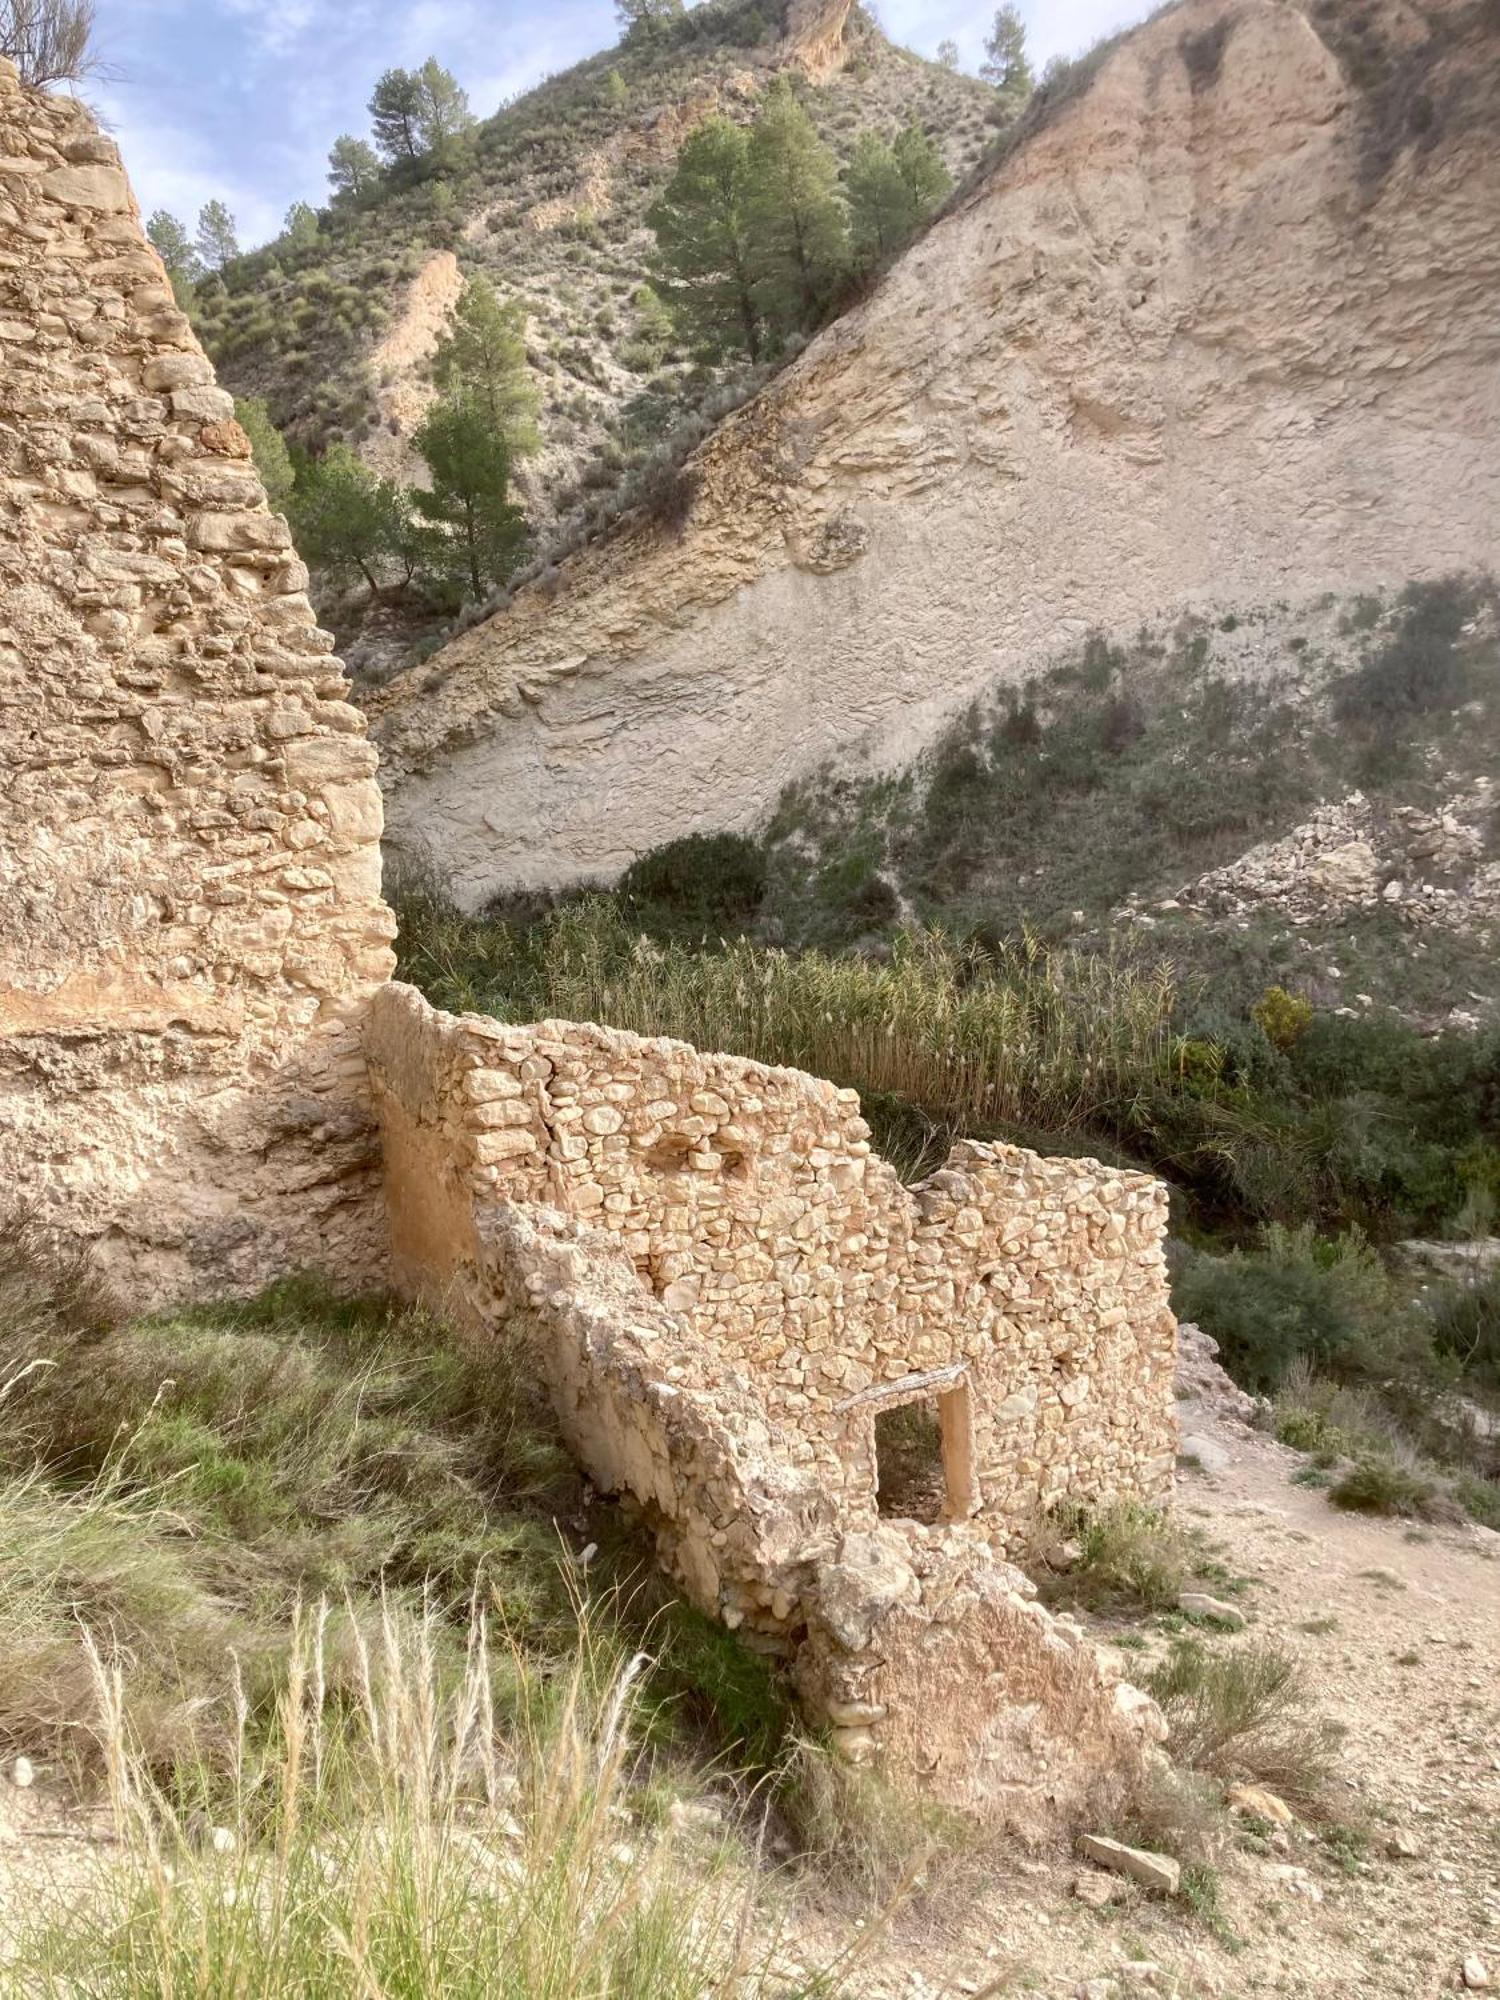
{"x":1385,"y":1485}
{"x":1421,"y":666}
{"x":1465,"y":1320}
{"x":1298,"y":1297}
{"x":711,"y":884}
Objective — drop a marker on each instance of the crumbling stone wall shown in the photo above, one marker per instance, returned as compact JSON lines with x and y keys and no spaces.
{"x":721,"y":1285}
{"x":190,"y":912}
{"x":749,"y":1200}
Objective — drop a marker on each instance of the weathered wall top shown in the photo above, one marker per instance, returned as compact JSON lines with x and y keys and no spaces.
{"x":1221,"y":331}
{"x":190,"y":906}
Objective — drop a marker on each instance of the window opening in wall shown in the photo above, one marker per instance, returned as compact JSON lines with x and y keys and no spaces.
{"x":923,"y":1457}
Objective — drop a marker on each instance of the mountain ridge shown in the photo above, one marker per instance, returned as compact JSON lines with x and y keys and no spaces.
{"x":1203,"y":339}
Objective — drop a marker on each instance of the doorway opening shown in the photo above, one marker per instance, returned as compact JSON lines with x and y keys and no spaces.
{"x":924,"y":1457}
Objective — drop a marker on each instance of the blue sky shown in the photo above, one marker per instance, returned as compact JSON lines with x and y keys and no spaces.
{"x":241,"y":99}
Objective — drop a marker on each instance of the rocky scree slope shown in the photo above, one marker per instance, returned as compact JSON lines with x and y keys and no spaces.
{"x":1220,"y":329}
{"x":338,"y":337}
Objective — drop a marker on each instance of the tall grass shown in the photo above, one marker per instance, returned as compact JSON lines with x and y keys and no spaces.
{"x":1021,"y":1035}
{"x":401,"y":1842}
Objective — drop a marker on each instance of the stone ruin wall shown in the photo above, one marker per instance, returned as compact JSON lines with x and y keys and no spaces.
{"x":190,"y":912}
{"x":749,"y":1201}
{"x":719,"y":1282}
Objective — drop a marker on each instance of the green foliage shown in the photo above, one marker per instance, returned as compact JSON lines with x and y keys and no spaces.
{"x":1019,"y":1035}
{"x":704,"y":243}
{"x":215,"y":242}
{"x":891,"y":190}
{"x":1381,"y":1485}
{"x":469,"y":462}
{"x":174,"y":246}
{"x":480,"y":361}
{"x":1005,"y":62}
{"x":348,"y":523}
{"x":444,"y":121}
{"x":927,"y":180}
{"x":640,"y":20}
{"x":268,"y":448}
{"x":300,"y":230}
{"x":1420,"y":667}
{"x":708,"y":885}
{"x":177,"y":1485}
{"x":396,"y":1837}
{"x":1297,"y":1297}
{"x":353,"y":168}
{"x":1282,"y":1017}
{"x":1119,"y":1557}
{"x":797,"y":223}
{"x":1240,"y":1716}
{"x":1466,"y":1326}
{"x":395,"y":117}
{"x":947,"y":54}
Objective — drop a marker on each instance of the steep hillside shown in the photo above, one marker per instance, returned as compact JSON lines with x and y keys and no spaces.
{"x":1218,"y":332}
{"x":337,"y":335}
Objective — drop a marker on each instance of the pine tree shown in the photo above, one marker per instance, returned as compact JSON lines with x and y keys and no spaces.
{"x":482,"y":359}
{"x":469,"y":464}
{"x":395,"y":117}
{"x":1005,"y":62}
{"x":892,"y":189}
{"x":921,"y":167}
{"x":348,"y":523}
{"x":268,"y":448}
{"x":443,"y":118}
{"x":175,"y":248}
{"x":353,"y":168}
{"x":300,"y":229}
{"x":702,"y":227}
{"x":640,"y":19}
{"x":881,"y":214}
{"x":173,"y":244}
{"x":798,"y":232}
{"x":215,"y":242}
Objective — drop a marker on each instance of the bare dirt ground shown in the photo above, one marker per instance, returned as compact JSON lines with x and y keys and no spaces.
{"x":1399,"y":1631}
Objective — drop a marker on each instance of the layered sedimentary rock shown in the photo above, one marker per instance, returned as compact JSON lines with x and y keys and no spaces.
{"x":1222,"y":328}
{"x":190,"y":910}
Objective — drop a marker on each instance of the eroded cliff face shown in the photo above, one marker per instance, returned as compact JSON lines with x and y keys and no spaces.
{"x":190,"y":911}
{"x":1223,"y":328}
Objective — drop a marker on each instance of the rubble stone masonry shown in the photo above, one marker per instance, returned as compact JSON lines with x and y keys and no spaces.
{"x":190,"y":910}
{"x":723,"y":1287}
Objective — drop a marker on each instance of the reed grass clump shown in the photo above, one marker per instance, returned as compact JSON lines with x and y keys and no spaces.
{"x":396,"y":1839}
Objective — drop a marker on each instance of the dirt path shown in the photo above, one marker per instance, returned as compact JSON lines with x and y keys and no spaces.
{"x":1399,"y":1630}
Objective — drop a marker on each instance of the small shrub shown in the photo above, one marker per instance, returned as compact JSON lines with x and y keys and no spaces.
{"x":1123,"y":1556}
{"x":665,"y":494}
{"x":1282,"y":1017}
{"x":707,"y":882}
{"x":1240,"y":1716}
{"x":1381,"y":1485}
{"x":1420,"y":667}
